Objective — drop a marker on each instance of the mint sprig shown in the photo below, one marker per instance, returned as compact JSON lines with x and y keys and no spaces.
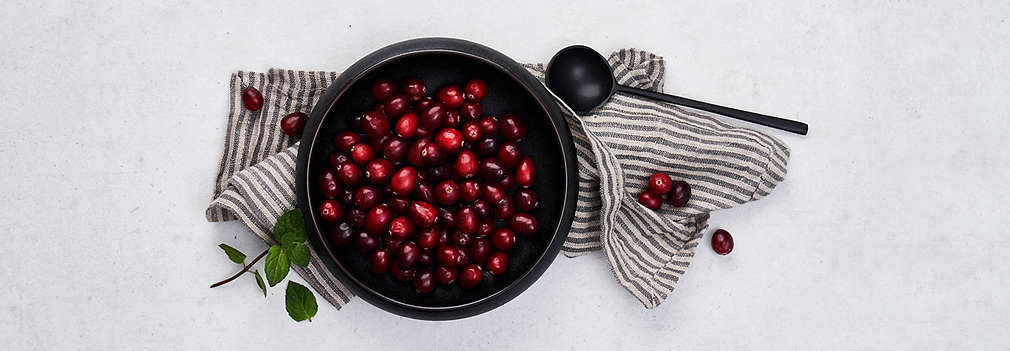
{"x":289,"y":231}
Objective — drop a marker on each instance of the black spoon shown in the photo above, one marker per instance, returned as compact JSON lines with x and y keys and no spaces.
{"x":581,"y":77}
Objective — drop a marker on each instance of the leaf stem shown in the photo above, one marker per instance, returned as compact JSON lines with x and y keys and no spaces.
{"x":244,"y":269}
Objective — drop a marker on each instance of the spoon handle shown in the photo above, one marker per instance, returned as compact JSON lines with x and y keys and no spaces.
{"x":774,"y":122}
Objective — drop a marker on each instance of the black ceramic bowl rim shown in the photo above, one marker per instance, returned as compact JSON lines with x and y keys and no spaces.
{"x":452,"y":46}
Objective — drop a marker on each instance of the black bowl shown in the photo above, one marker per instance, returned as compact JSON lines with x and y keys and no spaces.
{"x":438,"y":62}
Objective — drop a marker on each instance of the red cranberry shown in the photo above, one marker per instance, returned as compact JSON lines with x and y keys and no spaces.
{"x":424,"y":281}
{"x":445,"y":275}
{"x":475,"y":89}
{"x":660,"y":184}
{"x":432,"y":154}
{"x":428,"y":238}
{"x":423,"y":213}
{"x":443,"y":236}
{"x":526,"y":200}
{"x":406,"y":126}
{"x":472,"y":132}
{"x":507,"y":182}
{"x":446,"y":218}
{"x":486,"y":147}
{"x":396,"y":105}
{"x":403,"y":275}
{"x":425,"y":259}
{"x":524,"y":224}
{"x":446,"y":255}
{"x":450,"y":95}
{"x":469,"y":190}
{"x":366,"y":243}
{"x":509,"y":154}
{"x":414,"y":152}
{"x":337,"y":159}
{"x":722,"y":242}
{"x":503,"y":238}
{"x":345,"y":139}
{"x":433,"y":116}
{"x":447,"y":193}
{"x":341,"y":234}
{"x":451,"y":119}
{"x":424,"y":192}
{"x":466,"y":220}
{"x":366,"y":197}
{"x":481,"y":208}
{"x":498,"y":262}
{"x":294,"y":123}
{"x":414,"y":88}
{"x":480,"y":250}
{"x":470,"y":277}
{"x":466,"y":165}
{"x":401,"y":228}
{"x":356,"y":217}
{"x":493,"y":193}
{"x":485,"y":227}
{"x":449,"y":139}
{"x":491,"y":169}
{"x":422,"y":133}
{"x":650,"y":200}
{"x":328,"y":184}
{"x":511,"y":127}
{"x":377,"y":220}
{"x":252,"y":99}
{"x":407,"y":255}
{"x":471,"y":111}
{"x":331,"y":211}
{"x":460,"y":239}
{"x":488,"y":125}
{"x":680,"y":194}
{"x":404,"y":181}
{"x":394,"y":149}
{"x":349,"y":174}
{"x":376,"y":144}
{"x":422,"y":105}
{"x":379,"y":171}
{"x":462,"y":258}
{"x":391,"y":243}
{"x":504,"y":209}
{"x":526,"y":173}
{"x":398,"y":205}
{"x":381,"y":259}
{"x":374,"y":124}
{"x":361,"y":153}
{"x":383,"y":88}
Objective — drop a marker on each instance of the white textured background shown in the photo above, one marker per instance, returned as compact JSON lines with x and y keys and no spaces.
{"x":890,"y":232}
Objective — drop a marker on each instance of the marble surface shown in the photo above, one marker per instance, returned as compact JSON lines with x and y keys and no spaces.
{"x":890,"y":231}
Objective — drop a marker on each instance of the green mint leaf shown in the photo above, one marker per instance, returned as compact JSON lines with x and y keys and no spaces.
{"x":276,"y":265}
{"x":290,"y":227}
{"x":233,"y":254}
{"x":298,"y":253}
{"x":300,"y":302}
{"x":259,"y":281}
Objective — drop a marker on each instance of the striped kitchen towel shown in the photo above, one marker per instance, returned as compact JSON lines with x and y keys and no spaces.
{"x":618,"y":145}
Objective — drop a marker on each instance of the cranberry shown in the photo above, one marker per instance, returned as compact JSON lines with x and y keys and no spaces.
{"x":475,"y":89}
{"x":381,"y":259}
{"x":422,"y":105}
{"x":396,"y":105}
{"x":480,"y":250}
{"x":345,"y":139}
{"x":524,"y":224}
{"x":356,"y":217}
{"x":526,"y":173}
{"x":481,"y":208}
{"x":469,"y":190}
{"x":446,"y":218}
{"x":406,"y":126}
{"x":660,"y":184}
{"x":460,"y":239}
{"x":331,"y":211}
{"x":376,"y":144}
{"x":366,"y":197}
{"x":398,"y":204}
{"x":379,"y":171}
{"x":470,"y":277}
{"x":511,"y":127}
{"x":404,"y":181}
{"x":722,"y":242}
{"x":488,"y":125}
{"x":422,"y":133}
{"x":361,"y":153}
{"x":294,"y":123}
{"x":401,"y":228}
{"x":650,"y":200}
{"x":450,"y":95}
{"x":526,"y":200}
{"x":328,"y":183}
{"x":446,"y":255}
{"x":394,"y":149}
{"x":349,"y":174}
{"x":466,"y":220}
{"x":486,"y":147}
{"x":447,"y":193}
{"x":680,"y":194}
{"x":462,"y":258}
{"x":503,"y":238}
{"x":424,"y":281}
{"x":366,"y":243}
{"x":383,"y":88}
{"x":433,"y":116}
{"x":341,"y":234}
{"x":423,"y":213}
{"x":374,"y":124}
{"x":391,"y":243}
{"x":498,"y":262}
{"x":443,"y":236}
{"x":403,"y":275}
{"x":485,"y":227}
{"x":504,"y":209}
{"x":425,"y":259}
{"x":414,"y":152}
{"x":377,"y":220}
{"x":493,"y":193}
{"x":414,"y":88}
{"x":451,"y":119}
{"x":337,"y":159}
{"x":466,"y":165}
{"x":428,"y":238}
{"x":432,"y":154}
{"x":507,"y":182}
{"x":449,"y":139}
{"x":472,"y":132}
{"x":492,"y":169}
{"x":252,"y":99}
{"x":471,"y":111}
{"x":407,"y":255}
{"x":445,"y":275}
{"x":424,"y":192}
{"x":509,"y":154}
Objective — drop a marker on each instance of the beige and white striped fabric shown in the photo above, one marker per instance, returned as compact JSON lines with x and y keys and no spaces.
{"x":618,"y":145}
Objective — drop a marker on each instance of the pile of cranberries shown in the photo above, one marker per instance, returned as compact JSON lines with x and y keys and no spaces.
{"x":661,"y":184}
{"x":432,"y":189}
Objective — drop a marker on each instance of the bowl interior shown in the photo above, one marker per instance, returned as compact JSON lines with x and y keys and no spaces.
{"x":505,"y":94}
